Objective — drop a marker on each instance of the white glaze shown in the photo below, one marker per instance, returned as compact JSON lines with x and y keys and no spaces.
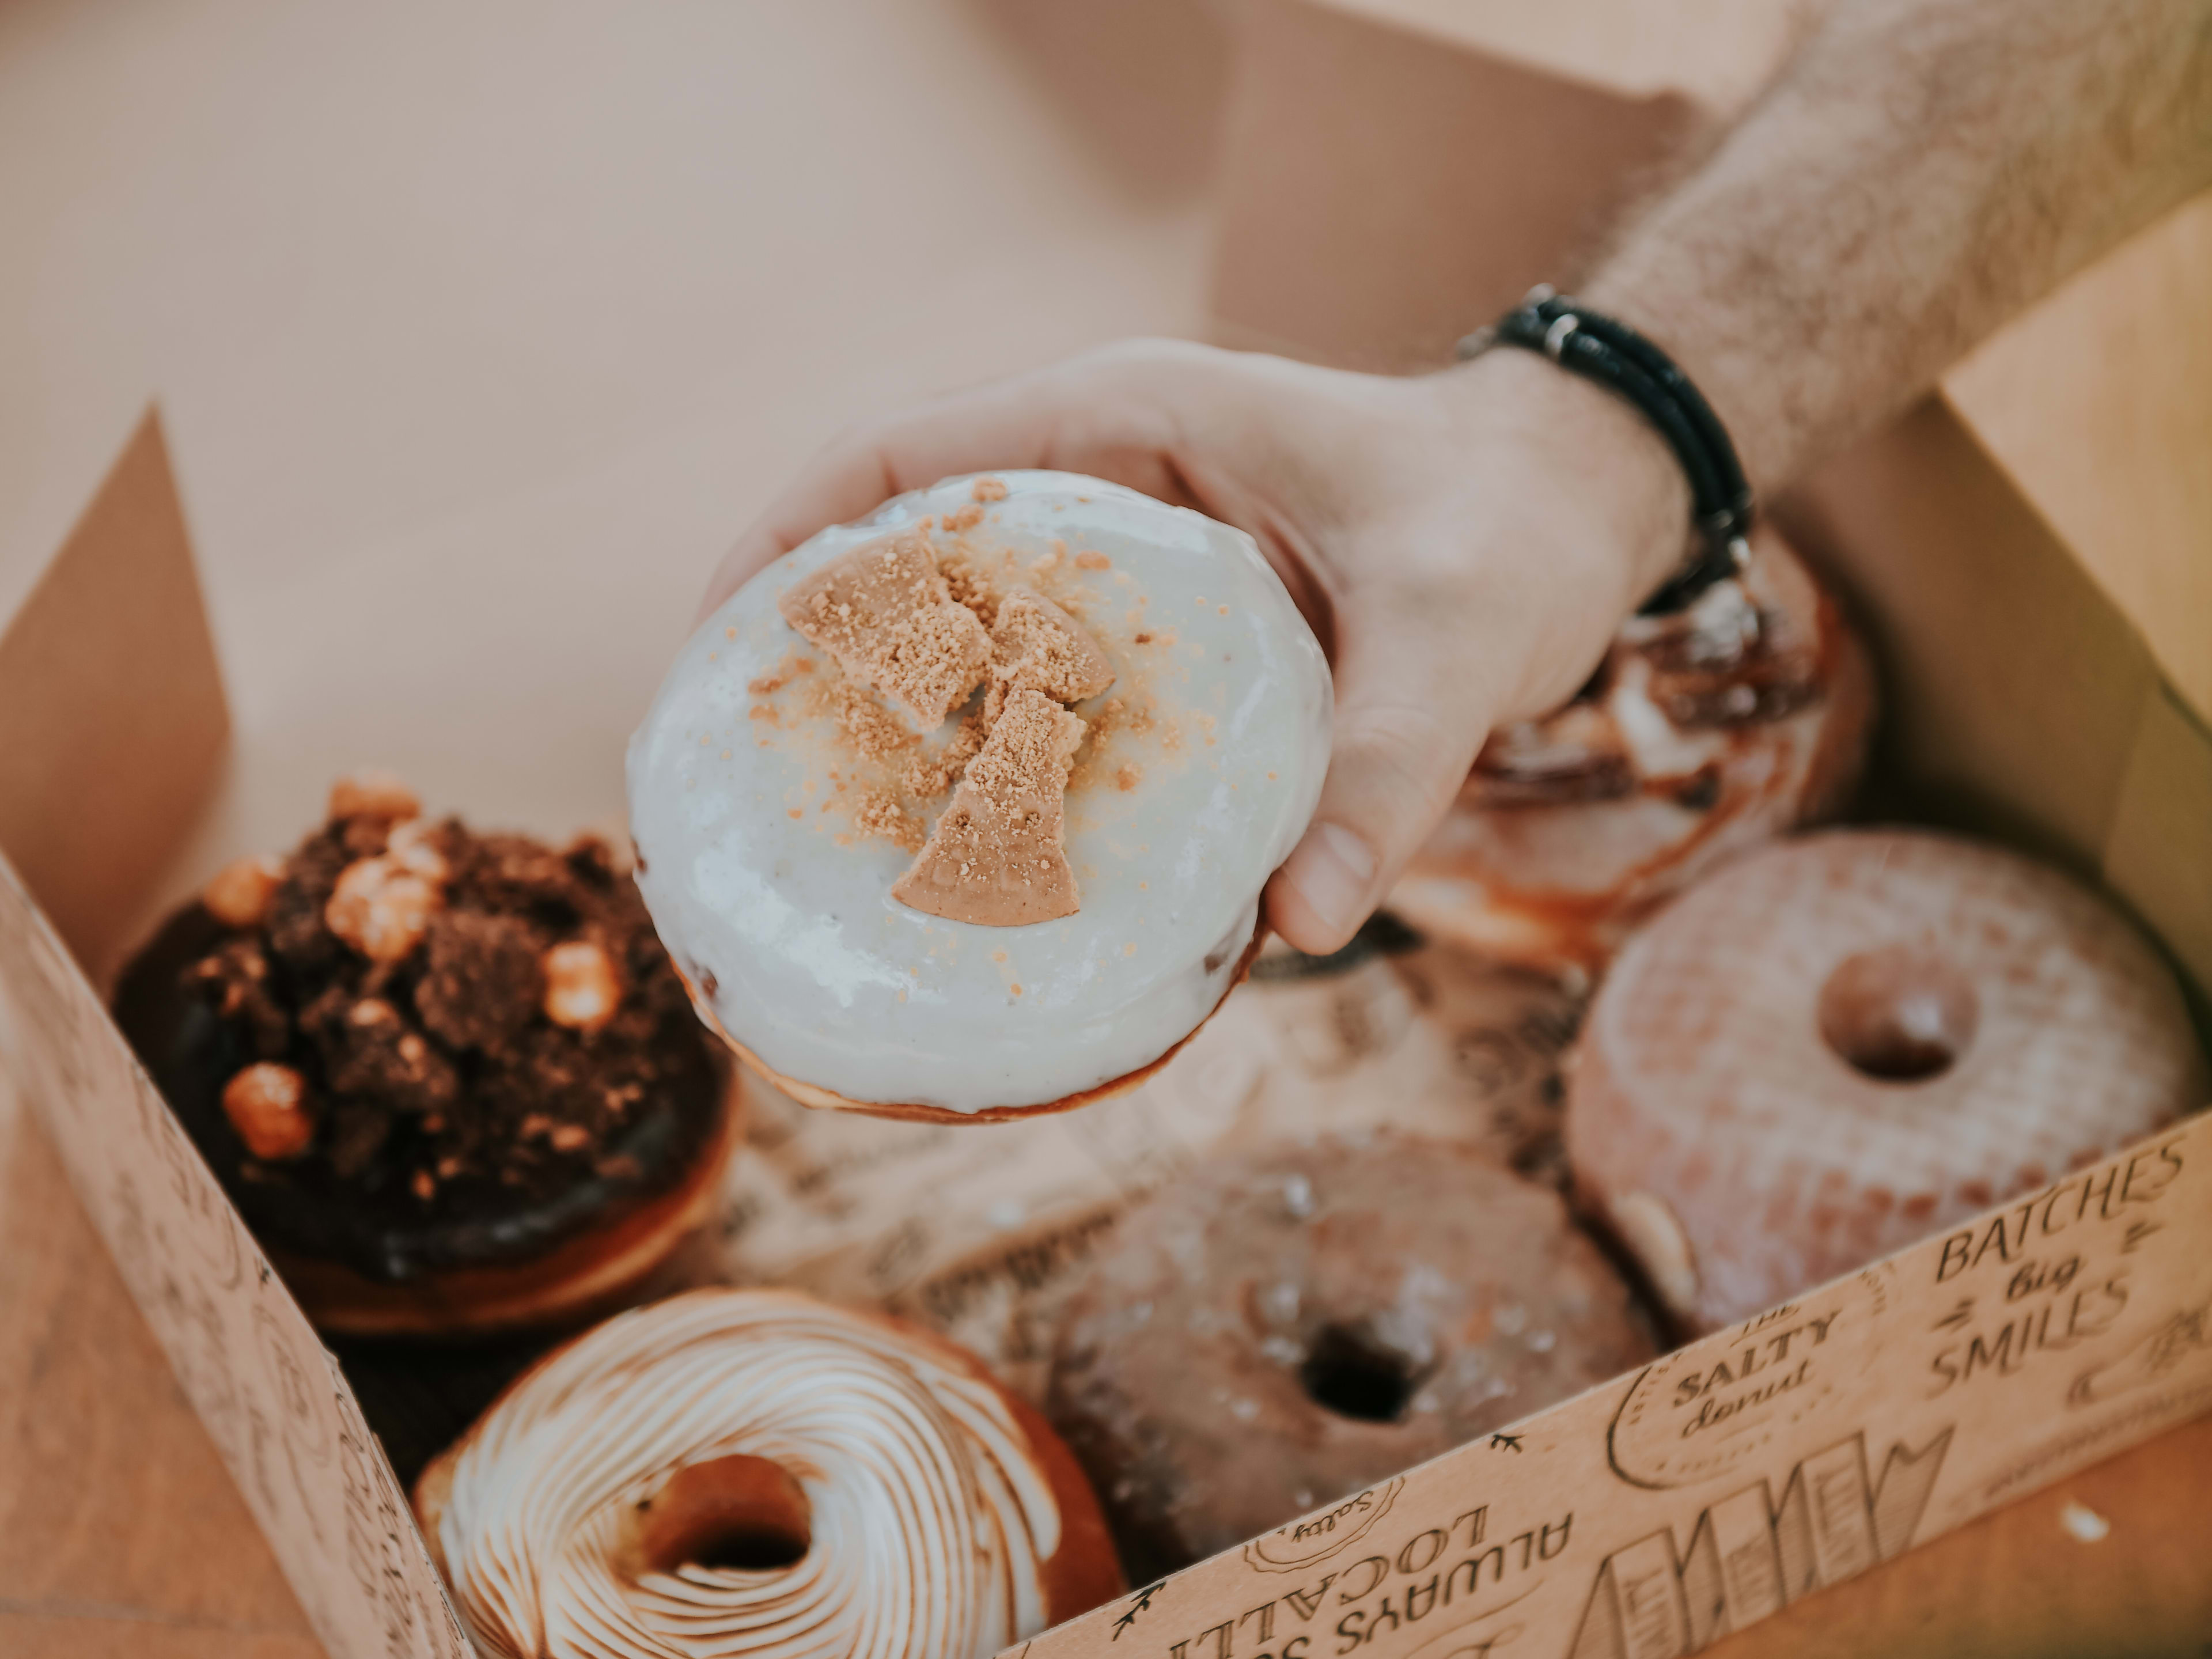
{"x":929,"y":1519}
{"x":818,"y":970}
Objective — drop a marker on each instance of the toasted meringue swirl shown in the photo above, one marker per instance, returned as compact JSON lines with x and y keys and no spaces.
{"x":930,"y":1519}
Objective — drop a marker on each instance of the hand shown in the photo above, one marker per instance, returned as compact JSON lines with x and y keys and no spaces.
{"x":1464,"y":544}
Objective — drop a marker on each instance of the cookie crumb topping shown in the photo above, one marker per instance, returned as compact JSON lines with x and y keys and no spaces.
{"x":997,"y":856}
{"x":885,"y":615}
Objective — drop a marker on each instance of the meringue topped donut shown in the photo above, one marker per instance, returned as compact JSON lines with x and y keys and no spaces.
{"x":1700,"y":735}
{"x":1848,"y":1041}
{"x":754,"y":1472}
{"x":963,"y":812}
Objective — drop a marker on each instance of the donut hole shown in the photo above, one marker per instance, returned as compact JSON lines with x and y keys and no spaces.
{"x":1350,"y":1371}
{"x":1903,"y":1013}
{"x":735,"y":1514}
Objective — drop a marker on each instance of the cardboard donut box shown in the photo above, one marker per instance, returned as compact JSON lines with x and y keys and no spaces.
{"x":1648,"y":1516}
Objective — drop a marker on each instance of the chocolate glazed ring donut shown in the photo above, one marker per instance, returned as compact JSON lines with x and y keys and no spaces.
{"x":457,"y":1149}
{"x":1271,"y":1333}
{"x":755,"y":1471}
{"x":1849,"y":1041}
{"x":1700,"y":735}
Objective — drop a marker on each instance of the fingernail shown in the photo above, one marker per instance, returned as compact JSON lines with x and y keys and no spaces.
{"x":1331,"y":871}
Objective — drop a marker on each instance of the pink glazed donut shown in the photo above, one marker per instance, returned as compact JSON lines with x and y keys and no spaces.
{"x":1847,"y":1041}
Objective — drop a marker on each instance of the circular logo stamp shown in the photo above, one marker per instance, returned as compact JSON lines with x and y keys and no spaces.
{"x":1704,"y":1409}
{"x":1317,"y":1537}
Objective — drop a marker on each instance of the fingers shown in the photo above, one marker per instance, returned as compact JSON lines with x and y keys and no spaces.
{"x":999,"y":427}
{"x":1089,"y":415}
{"x":1413,"y":707}
{"x":845,"y":479}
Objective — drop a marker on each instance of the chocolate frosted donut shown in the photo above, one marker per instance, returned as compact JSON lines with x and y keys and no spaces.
{"x":1848,"y":1041}
{"x":1273,"y":1332}
{"x":754,"y":1472}
{"x":1699,"y":736}
{"x":450,"y":1079}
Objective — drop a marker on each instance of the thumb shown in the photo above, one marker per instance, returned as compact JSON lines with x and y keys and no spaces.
{"x":1412,"y":710}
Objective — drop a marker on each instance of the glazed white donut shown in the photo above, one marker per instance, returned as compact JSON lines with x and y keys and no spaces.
{"x":1200,"y":768}
{"x":925,"y":1519}
{"x":1847,"y":1041}
{"x":1701,"y":735}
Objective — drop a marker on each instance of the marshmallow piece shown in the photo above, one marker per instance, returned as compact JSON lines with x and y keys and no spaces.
{"x":381,"y":907}
{"x":412,"y":845}
{"x":267,"y":1104}
{"x":884,"y":613}
{"x":582,"y":990}
{"x":997,"y":858}
{"x":372,"y":794}
{"x":239,"y":894}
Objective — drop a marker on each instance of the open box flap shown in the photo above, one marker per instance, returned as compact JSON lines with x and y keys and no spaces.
{"x":111,"y":722}
{"x":111,"y":712}
{"x":2158,"y":851}
{"x":282,"y":1417}
{"x":2036,"y":712}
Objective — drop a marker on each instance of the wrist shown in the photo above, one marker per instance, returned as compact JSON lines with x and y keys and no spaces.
{"x":1612,"y":471}
{"x":1735,"y":374}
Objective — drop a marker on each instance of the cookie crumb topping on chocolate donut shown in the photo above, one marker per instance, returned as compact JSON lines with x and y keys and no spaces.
{"x":424,"y":1046}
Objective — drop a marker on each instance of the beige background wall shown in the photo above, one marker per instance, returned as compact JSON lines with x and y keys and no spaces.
{"x":481,"y":328}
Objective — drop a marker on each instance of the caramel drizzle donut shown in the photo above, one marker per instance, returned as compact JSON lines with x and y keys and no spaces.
{"x":747,"y":1472}
{"x":1700,"y":735}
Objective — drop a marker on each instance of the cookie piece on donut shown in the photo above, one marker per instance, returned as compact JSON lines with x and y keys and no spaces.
{"x":1851,"y":1040}
{"x":1273,"y":1331}
{"x":753,"y":1471}
{"x":997,"y":857}
{"x":886,"y":616}
{"x":1045,"y":947}
{"x":1037,"y":646}
{"x":1700,"y":735}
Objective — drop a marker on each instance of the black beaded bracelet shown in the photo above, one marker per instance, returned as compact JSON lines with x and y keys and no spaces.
{"x":1604,"y":350}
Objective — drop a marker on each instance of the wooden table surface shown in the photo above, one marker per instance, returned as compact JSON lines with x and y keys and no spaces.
{"x":121,"y":1535}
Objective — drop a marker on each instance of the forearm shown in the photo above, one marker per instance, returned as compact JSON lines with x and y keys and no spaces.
{"x":1922,"y":170}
